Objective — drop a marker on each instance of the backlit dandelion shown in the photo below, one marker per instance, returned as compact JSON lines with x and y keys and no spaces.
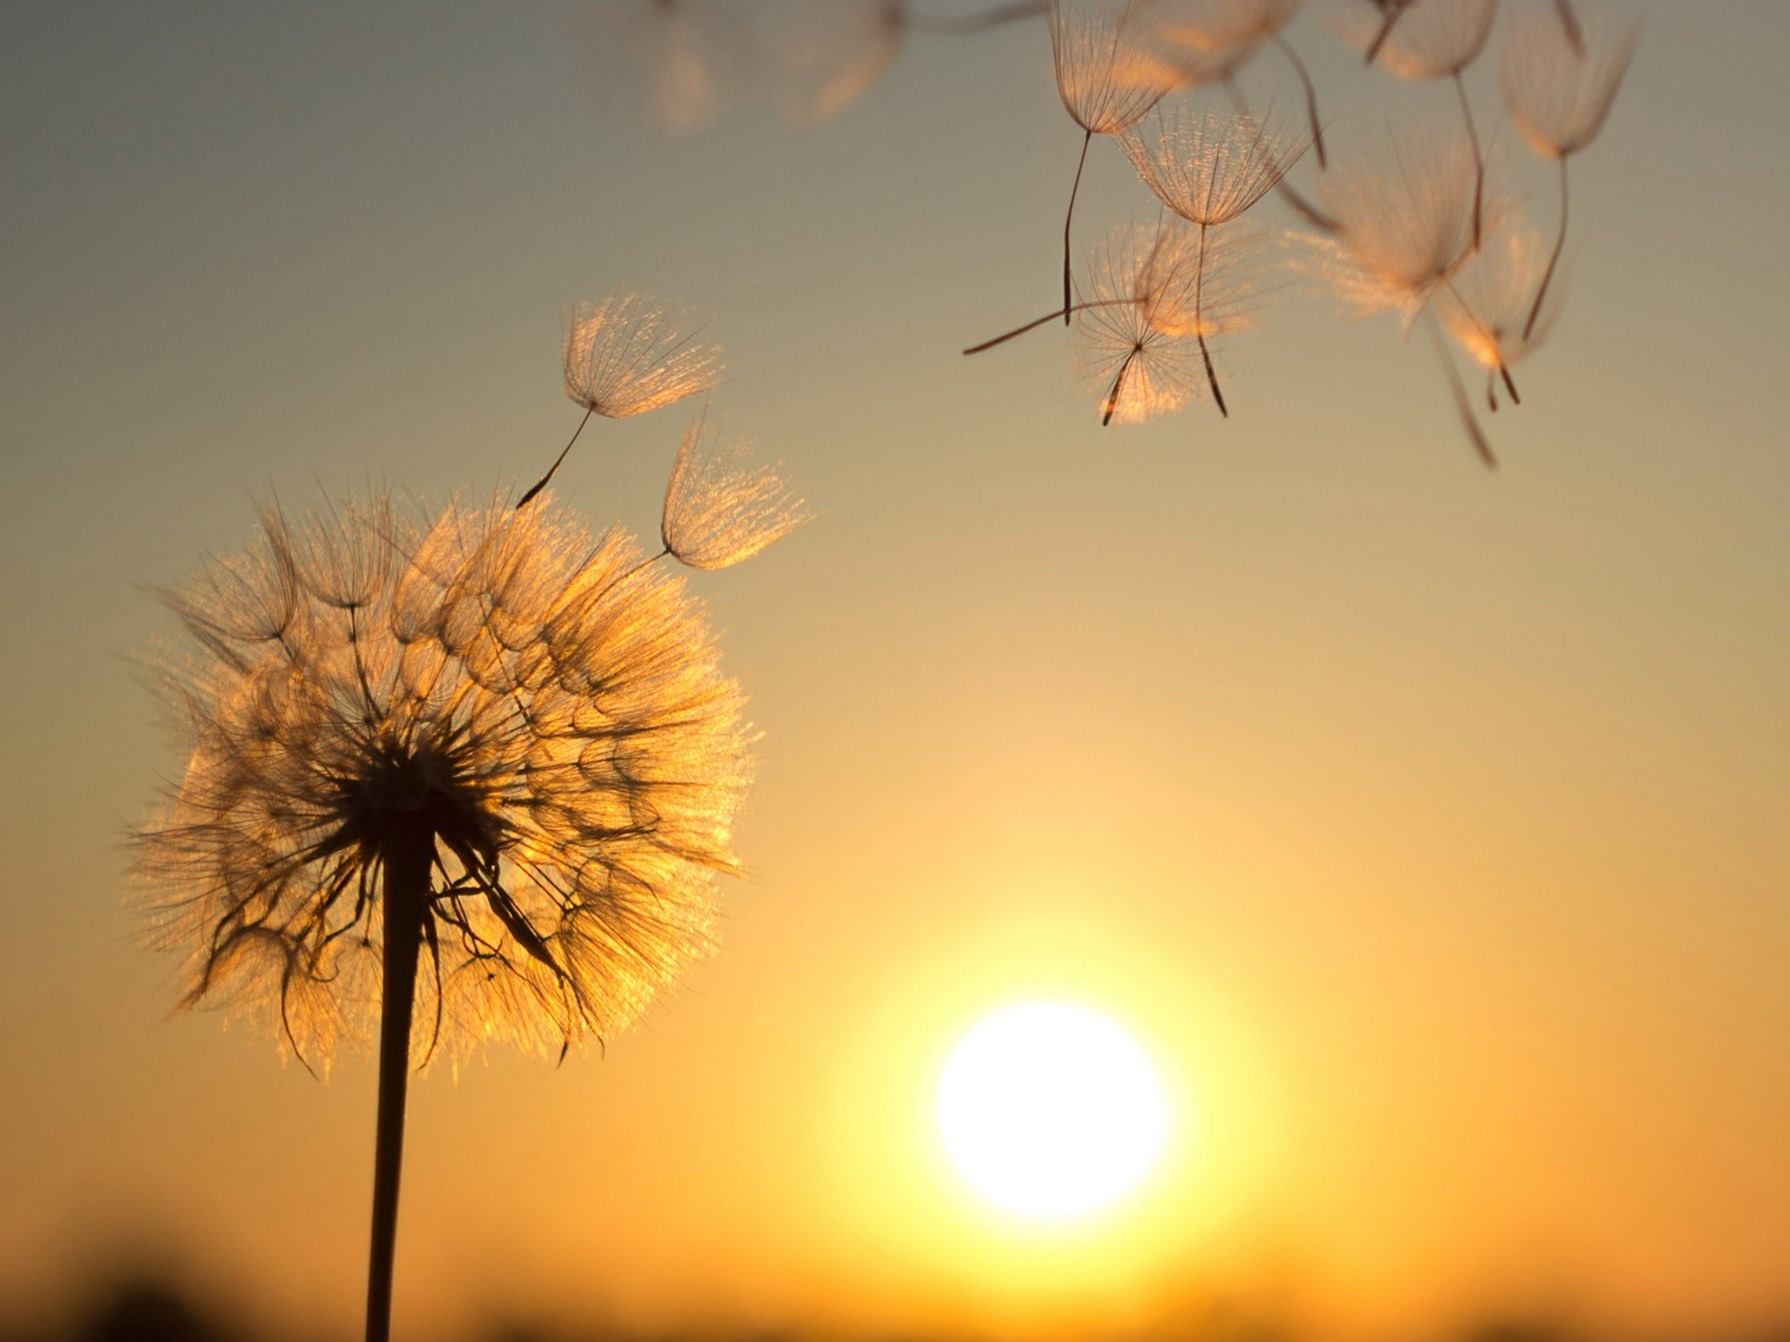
{"x":1209,"y":169}
{"x":1402,"y":233}
{"x":722,"y":508}
{"x":1486,"y":306}
{"x":468,"y":778}
{"x":1560,"y":77}
{"x":1111,"y":70}
{"x":625,"y":356}
{"x":1145,"y":335}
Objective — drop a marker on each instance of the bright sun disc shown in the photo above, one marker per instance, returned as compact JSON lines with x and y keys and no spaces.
{"x":1049,"y":1110}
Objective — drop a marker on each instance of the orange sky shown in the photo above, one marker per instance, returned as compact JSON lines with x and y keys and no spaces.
{"x":1425,"y":825}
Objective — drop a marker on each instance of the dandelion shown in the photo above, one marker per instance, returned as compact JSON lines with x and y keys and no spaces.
{"x":469,"y":779}
{"x":1111,"y":71}
{"x":1145,"y":322}
{"x":1402,"y":234}
{"x":1486,"y":307}
{"x":624,"y":357}
{"x":1559,"y":92}
{"x":1439,"y":40}
{"x":1208,"y":169}
{"x":719,"y":509}
{"x":1228,"y":32}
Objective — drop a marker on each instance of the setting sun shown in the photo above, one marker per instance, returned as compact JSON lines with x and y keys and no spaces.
{"x":1049,"y":1110}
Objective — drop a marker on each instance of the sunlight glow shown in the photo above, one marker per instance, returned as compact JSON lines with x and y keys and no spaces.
{"x":1049,"y":1110}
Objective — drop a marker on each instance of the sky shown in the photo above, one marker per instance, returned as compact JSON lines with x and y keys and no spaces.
{"x":1423,"y":824}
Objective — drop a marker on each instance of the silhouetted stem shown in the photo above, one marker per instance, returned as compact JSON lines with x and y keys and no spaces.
{"x":1069,"y":218}
{"x":1111,"y":405}
{"x":541,"y":484}
{"x":1199,"y":326}
{"x":405,"y":895}
{"x":1478,"y":158}
{"x":1547,"y":277}
{"x":1311,"y":98}
{"x":992,"y":17}
{"x":1575,"y":35}
{"x":1036,"y":322}
{"x":1475,"y":434}
{"x":1392,"y":17}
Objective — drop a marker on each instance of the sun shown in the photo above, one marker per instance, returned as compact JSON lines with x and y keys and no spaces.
{"x":1049,"y":1110}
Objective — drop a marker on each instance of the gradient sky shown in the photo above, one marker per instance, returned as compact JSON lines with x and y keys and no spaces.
{"x":1426,"y":825}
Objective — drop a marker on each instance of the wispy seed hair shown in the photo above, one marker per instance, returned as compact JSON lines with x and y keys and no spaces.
{"x":722,"y":508}
{"x":627,"y":355}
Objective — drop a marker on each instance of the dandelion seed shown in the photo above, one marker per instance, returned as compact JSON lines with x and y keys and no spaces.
{"x":467,"y":780}
{"x":1486,"y":307}
{"x":1402,"y":230}
{"x":1222,"y":35}
{"x":1147,"y":331}
{"x":626,"y":356}
{"x":1208,"y":169}
{"x":1402,"y":234}
{"x":1439,"y":39}
{"x":719,"y":508}
{"x":1111,"y":70}
{"x":1559,"y":91}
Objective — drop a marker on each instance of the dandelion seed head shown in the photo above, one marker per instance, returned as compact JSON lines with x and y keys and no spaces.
{"x":1209,"y":166}
{"x":1111,"y":66}
{"x":1558,"y":97}
{"x":720,"y":507}
{"x":627,"y":355}
{"x":1431,"y":40}
{"x":543,"y":708}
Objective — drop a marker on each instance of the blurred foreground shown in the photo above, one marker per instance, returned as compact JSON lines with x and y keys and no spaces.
{"x":142,"y":1309}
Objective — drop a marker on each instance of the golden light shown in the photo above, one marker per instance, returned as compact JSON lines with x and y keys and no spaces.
{"x":1049,"y":1110}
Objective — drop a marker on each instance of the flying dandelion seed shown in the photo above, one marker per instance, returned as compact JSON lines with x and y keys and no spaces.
{"x":1111,"y":70}
{"x":1208,"y":169}
{"x":626,"y":356}
{"x":1227,"y":33}
{"x":1147,"y":330}
{"x":1559,"y":90}
{"x":1439,"y":39}
{"x":1486,"y":306}
{"x":1403,"y":232}
{"x":720,"y":509}
{"x":470,"y":779}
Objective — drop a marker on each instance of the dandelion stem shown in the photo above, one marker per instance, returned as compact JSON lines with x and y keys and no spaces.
{"x":1199,"y":326}
{"x":541,"y":484}
{"x":1311,"y":98}
{"x":1554,"y":260}
{"x":1475,"y":434}
{"x":1111,"y":405}
{"x":1086,"y":140}
{"x":1460,"y":88}
{"x":1393,"y":12}
{"x":1036,"y":322}
{"x":407,"y":856}
{"x":1575,"y":35}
